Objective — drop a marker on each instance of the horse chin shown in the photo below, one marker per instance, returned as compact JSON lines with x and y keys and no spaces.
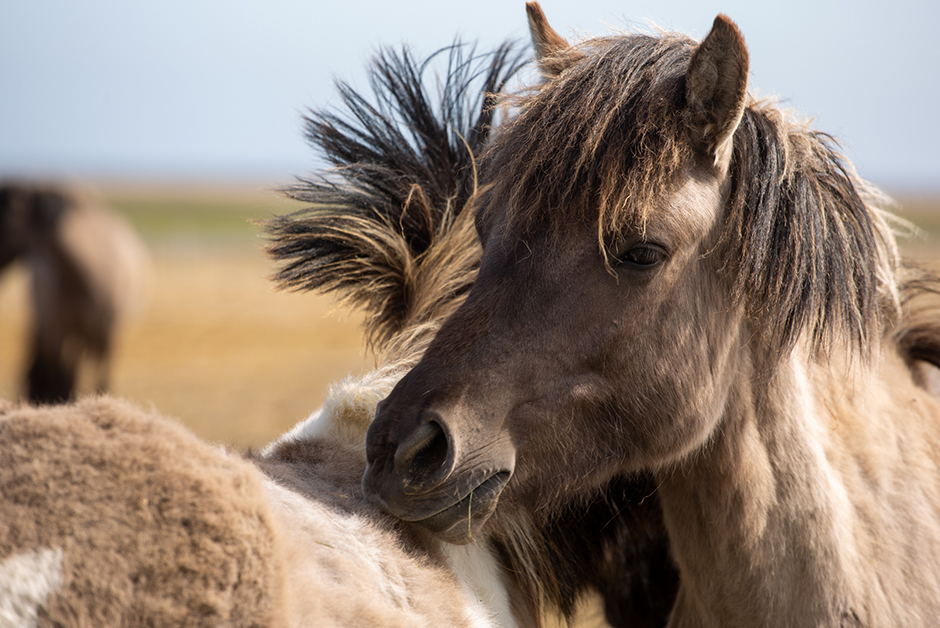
{"x":461,"y":522}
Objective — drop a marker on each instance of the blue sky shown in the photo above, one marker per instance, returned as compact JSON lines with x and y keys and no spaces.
{"x":215,"y":89}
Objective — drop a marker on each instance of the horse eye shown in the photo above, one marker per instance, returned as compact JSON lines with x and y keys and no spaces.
{"x":642,"y":256}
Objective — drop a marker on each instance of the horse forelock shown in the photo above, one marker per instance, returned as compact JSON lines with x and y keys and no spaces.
{"x":596,"y":142}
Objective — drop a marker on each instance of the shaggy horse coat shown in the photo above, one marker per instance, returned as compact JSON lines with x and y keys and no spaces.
{"x":681,"y":281}
{"x":117,"y":517}
{"x":88,"y":271}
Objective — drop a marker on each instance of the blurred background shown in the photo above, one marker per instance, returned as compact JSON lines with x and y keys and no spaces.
{"x":186,"y":116}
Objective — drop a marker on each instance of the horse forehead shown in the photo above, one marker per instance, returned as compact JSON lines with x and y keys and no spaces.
{"x":691,"y":208}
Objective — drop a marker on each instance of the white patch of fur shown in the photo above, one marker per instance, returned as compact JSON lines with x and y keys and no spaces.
{"x":481,"y":581}
{"x":26,"y":581}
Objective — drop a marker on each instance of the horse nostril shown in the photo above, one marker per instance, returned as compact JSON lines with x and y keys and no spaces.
{"x":422,"y":456}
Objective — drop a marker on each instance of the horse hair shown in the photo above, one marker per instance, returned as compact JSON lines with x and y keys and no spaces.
{"x":918,"y":332}
{"x":804,"y":234}
{"x":600,"y":124}
{"x":403,"y":171}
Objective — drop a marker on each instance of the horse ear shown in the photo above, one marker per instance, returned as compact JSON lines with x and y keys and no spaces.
{"x":716,"y":90}
{"x":553,"y":53}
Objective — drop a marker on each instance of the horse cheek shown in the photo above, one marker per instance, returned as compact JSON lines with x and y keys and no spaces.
{"x":675,"y":369}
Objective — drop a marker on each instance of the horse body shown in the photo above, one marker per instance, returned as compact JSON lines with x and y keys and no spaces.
{"x":113,"y":516}
{"x":680,"y":280}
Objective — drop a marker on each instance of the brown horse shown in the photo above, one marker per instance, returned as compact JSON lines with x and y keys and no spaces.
{"x":680,"y":280}
{"x":87,"y":267}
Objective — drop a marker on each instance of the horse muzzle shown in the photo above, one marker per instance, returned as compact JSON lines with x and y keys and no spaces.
{"x":422,"y":472}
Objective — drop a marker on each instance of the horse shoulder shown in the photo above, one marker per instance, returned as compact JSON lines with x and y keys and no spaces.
{"x":833,"y":462}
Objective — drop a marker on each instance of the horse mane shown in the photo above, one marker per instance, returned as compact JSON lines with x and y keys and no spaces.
{"x":611,"y":541}
{"x":391,"y":208}
{"x":606,"y":133}
{"x":803,"y":234}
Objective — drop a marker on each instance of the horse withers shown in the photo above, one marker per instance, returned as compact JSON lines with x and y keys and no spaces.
{"x":679,"y":279}
{"x":88,"y":269}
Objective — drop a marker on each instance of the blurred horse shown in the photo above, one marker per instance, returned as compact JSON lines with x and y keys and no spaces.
{"x":87,"y":267}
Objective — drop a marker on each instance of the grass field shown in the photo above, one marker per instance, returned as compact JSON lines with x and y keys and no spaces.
{"x":217,"y":346}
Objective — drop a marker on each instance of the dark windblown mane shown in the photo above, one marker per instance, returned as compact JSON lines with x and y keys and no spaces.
{"x":614,"y":542}
{"x":608,"y":135}
{"x":403,"y":171}
{"x":803,"y":235}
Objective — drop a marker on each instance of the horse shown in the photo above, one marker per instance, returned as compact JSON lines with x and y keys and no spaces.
{"x":89,"y":270}
{"x":681,"y":280}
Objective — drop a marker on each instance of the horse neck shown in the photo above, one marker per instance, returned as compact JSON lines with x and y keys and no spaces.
{"x":761,"y":520}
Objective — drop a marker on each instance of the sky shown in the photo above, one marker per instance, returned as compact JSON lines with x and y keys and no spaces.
{"x":216,"y":89}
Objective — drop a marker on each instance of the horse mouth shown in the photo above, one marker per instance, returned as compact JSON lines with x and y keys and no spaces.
{"x":459,"y":522}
